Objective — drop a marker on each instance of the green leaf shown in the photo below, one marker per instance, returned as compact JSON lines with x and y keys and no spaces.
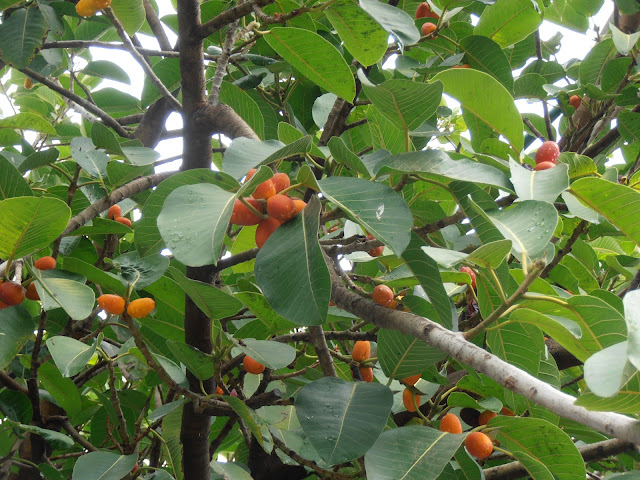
{"x":491,"y":254}
{"x":426,"y":271}
{"x":58,"y":288}
{"x":344,"y":156}
{"x":394,"y":21}
{"x":376,"y":207}
{"x":607,"y":370}
{"x":16,"y":406}
{"x":147,"y":236}
{"x":542,"y":442}
{"x":438,"y":163}
{"x":410,"y":453}
{"x":130,"y":13}
{"x":103,"y":466}
{"x":405,"y":103}
{"x":342,"y":420}
{"x":632,"y":317}
{"x":484,"y":54}
{"x":601,"y":325}
{"x":16,"y":326}
{"x":629,"y":126}
{"x":269,"y":353}
{"x":92,"y":160}
{"x":229,"y":471}
{"x":62,"y":390}
{"x":365,"y":39}
{"x":291,"y":270}
{"x":617,"y":203}
{"x":193,"y":222}
{"x":70,"y":355}
{"x":165,"y":409}
{"x":246,"y":153}
{"x":593,"y":65}
{"x":214,"y":302}
{"x":543,"y":185}
{"x":315,"y":58}
{"x":486,"y":99}
{"x":103,"y":137}
{"x":249,"y":417}
{"x":30,"y":223}
{"x":402,"y":355}
{"x":509,"y":21}
{"x":56,"y":439}
{"x":245,"y":106}
{"x":625,"y":402}
{"x":21,"y":34}
{"x":12,"y":183}
{"x":168,"y":71}
{"x":518,"y":344}
{"x":28,"y":121}
{"x":198,"y":362}
{"x":623,"y":42}
{"x":106,"y":280}
{"x":528,"y":224}
{"x":106,"y":69}
{"x":143,"y":271}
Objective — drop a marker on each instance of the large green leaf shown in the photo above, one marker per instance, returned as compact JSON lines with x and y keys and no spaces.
{"x":56,"y":439}
{"x":601,"y":324}
{"x":246,"y":153}
{"x":410,"y":453}
{"x":28,"y":121}
{"x":103,"y":466}
{"x":269,"y":353}
{"x":106,"y":69}
{"x":61,"y":389}
{"x":617,"y":203}
{"x":426,"y":271}
{"x":607,"y":370}
{"x":484,"y":54}
{"x":198,"y":363}
{"x":214,"y":302}
{"x":342,"y":420}
{"x":315,"y":58}
{"x":626,"y":401}
{"x":16,"y":326}
{"x":518,"y":344}
{"x":486,"y":99}
{"x":245,"y":106}
{"x":376,"y":207}
{"x":21,"y":34}
{"x":168,"y":72}
{"x":405,"y":103}
{"x":572,"y":14}
{"x":58,"y":288}
{"x":193,"y":222}
{"x":509,"y":21}
{"x":141,"y":271}
{"x":147,"y":236}
{"x":395,"y":21}
{"x":12,"y":184}
{"x":437,"y":162}
{"x":401,"y":355}
{"x":540,"y":441}
{"x":632,"y":317}
{"x":365,"y":39}
{"x":70,"y":355}
{"x":529,"y":225}
{"x":130,"y":13}
{"x":593,"y":65}
{"x":92,"y":160}
{"x":30,"y":223}
{"x":291,"y":270}
{"x":543,"y":185}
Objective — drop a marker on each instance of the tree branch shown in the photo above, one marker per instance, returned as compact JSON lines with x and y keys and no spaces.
{"x":126,"y":191}
{"x":227,"y":17}
{"x":175,"y":104}
{"x":480,"y":360}
{"x":591,"y":452}
{"x":88,"y":106}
